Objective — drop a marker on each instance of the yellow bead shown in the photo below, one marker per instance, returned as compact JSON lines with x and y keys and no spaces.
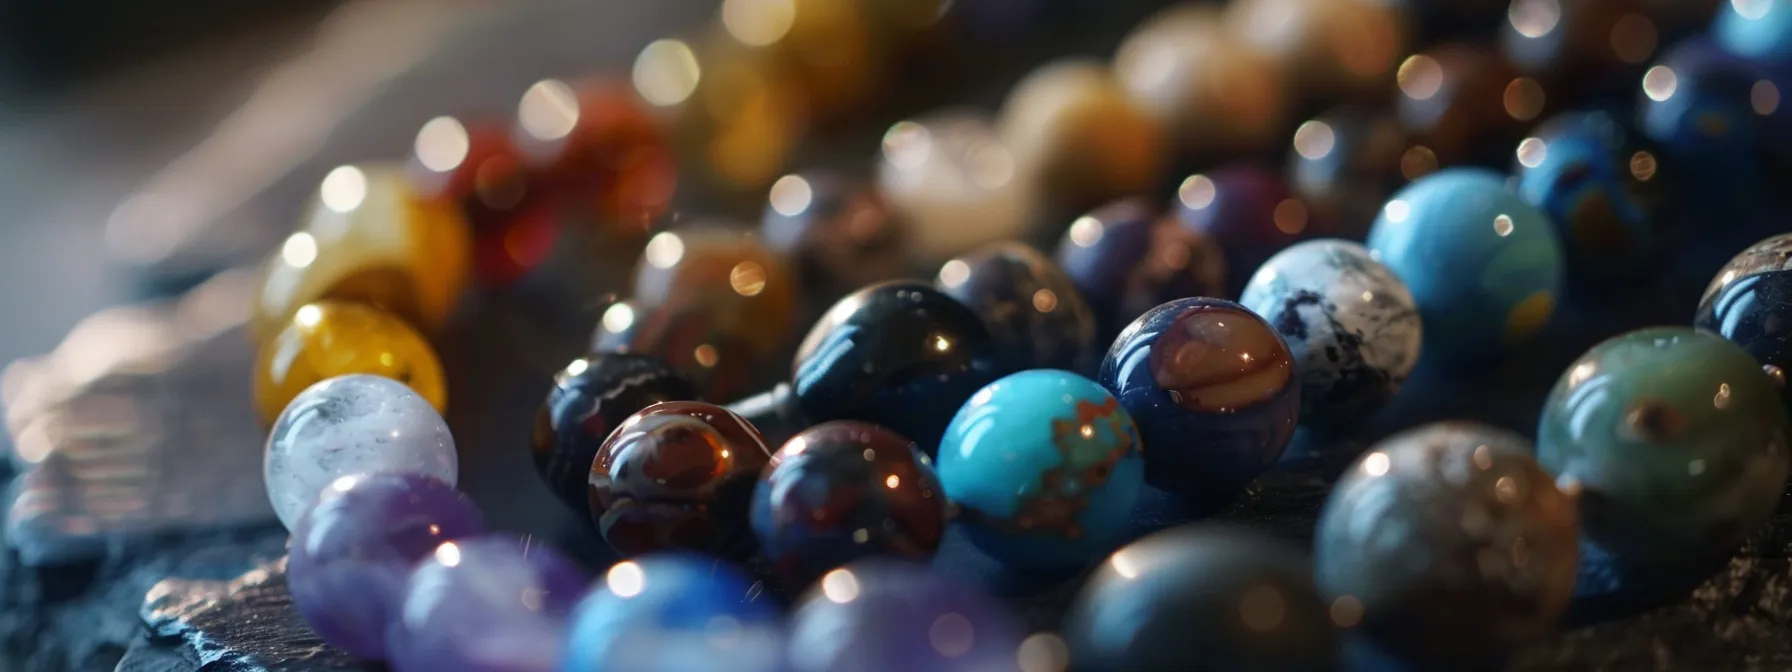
{"x":333,"y":338}
{"x":368,"y":237}
{"x":1075,"y":134}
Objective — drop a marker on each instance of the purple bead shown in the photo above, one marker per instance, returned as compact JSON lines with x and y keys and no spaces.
{"x":352,"y":551}
{"x":485,"y":604}
{"x":885,"y":616}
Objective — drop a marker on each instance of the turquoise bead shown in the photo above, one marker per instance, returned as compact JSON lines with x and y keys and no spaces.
{"x":1676,"y":440}
{"x":1045,"y":466}
{"x":1483,"y":265}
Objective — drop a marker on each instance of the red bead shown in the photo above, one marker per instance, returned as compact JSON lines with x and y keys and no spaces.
{"x":510,"y":207}
{"x":678,"y":475}
{"x":604,"y":151}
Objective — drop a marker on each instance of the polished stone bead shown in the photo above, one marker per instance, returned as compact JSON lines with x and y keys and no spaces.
{"x":352,"y":551}
{"x":1125,"y":258}
{"x":1329,"y":48}
{"x":838,"y":234}
{"x":600,"y":149}
{"x":334,"y":338}
{"x":894,"y":617}
{"x":1449,"y":544}
{"x":1045,"y":468}
{"x":674,"y":613}
{"x":510,"y":206}
{"x":1214,"y":390}
{"x":898,"y":354}
{"x":1350,"y":324}
{"x":1075,"y":132}
{"x":1346,"y":163}
{"x":1713,"y":113}
{"x":356,"y":424}
{"x":591,"y":397}
{"x":1211,"y":92}
{"x":485,"y":604}
{"x":1607,"y":190}
{"x":843,"y":490}
{"x":1202,"y":598}
{"x":1676,"y":440}
{"x":1034,"y":311}
{"x":1750,"y":303}
{"x":1250,"y":213}
{"x":677,"y":475}
{"x":952,"y":179}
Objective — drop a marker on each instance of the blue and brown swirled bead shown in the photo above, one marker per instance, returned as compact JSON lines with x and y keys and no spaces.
{"x":1045,"y":466}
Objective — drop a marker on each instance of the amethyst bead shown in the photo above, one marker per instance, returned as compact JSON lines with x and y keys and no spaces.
{"x":884,"y":616}
{"x":485,"y":604}
{"x":352,"y":551}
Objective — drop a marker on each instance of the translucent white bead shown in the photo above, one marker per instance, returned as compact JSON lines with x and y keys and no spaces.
{"x":352,"y":425}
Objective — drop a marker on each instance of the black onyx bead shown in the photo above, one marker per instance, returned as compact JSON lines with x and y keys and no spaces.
{"x":1037,"y":317}
{"x":591,"y":397}
{"x":898,"y":354}
{"x":1750,"y":304}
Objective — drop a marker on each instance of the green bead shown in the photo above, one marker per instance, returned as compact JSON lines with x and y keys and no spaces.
{"x":1675,"y":439}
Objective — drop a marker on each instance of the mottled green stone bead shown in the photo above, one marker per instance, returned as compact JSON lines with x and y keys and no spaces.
{"x":1676,"y":441}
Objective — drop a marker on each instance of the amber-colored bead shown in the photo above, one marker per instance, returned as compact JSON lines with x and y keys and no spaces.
{"x":1330,"y":48}
{"x":335,"y":338}
{"x":368,"y":236}
{"x":1465,"y":102}
{"x":1074,"y":132}
{"x":509,"y":206}
{"x":826,"y":47}
{"x":733,"y":114}
{"x":600,"y":148}
{"x":1211,"y":92}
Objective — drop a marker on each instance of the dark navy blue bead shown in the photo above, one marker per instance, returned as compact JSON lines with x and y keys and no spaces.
{"x":1037,"y":316}
{"x":1125,"y":259}
{"x":591,"y":397}
{"x":1607,"y":190}
{"x":1750,"y":304}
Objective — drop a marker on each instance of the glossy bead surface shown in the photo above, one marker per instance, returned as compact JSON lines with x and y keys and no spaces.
{"x":1450,"y":544}
{"x":1045,"y":467}
{"x":1125,"y":258}
{"x":1346,"y":163}
{"x":1202,"y":598}
{"x":1750,"y":304}
{"x":898,"y":354}
{"x":1215,"y":393}
{"x":896,"y":617}
{"x":1677,"y":440}
{"x":1032,"y":308}
{"x":352,"y":551}
{"x":674,"y":613}
{"x":1211,"y":93}
{"x":1350,"y":324}
{"x":1329,"y":48}
{"x":840,"y":235}
{"x":355,"y":424}
{"x":1076,"y":134}
{"x":713,"y":303}
{"x":600,"y":149}
{"x":485,"y":604}
{"x":843,"y":490}
{"x":591,"y":397}
{"x":953,"y":181}
{"x":1466,"y":103}
{"x":368,"y":237}
{"x":1602,"y":186}
{"x":332,"y":339}
{"x":1755,"y":30}
{"x":1483,"y":265}
{"x":677,"y":475}
{"x":509,"y":206}
{"x":1249,"y":211}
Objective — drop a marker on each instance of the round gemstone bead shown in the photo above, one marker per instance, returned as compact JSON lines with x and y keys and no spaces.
{"x":1250,"y":213}
{"x":1125,"y":259}
{"x":1328,"y":48}
{"x":1604,"y":187}
{"x":334,"y":338}
{"x":674,"y":613}
{"x":897,"y":617}
{"x":1045,"y":467}
{"x":352,"y":552}
{"x":1750,"y":304}
{"x":1035,"y":313}
{"x":677,"y":475}
{"x":1211,"y":93}
{"x":592,"y":396}
{"x":492,"y":603}
{"x":1074,"y":131}
{"x":357,"y":424}
{"x":843,"y":490}
{"x":953,"y":181}
{"x":595,"y":144}
{"x":509,"y":207}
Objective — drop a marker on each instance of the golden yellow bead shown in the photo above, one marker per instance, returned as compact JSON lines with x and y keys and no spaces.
{"x":334,"y":338}
{"x":369,"y":237}
{"x":1074,"y":133}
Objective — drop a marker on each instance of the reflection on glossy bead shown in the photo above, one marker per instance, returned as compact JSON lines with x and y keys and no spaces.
{"x":1466,"y":103}
{"x":591,"y":397}
{"x":1202,"y":598}
{"x":1483,"y":265}
{"x":1045,"y":467}
{"x":1450,"y":544}
{"x":1330,"y":47}
{"x":734,"y":114}
{"x":1209,"y":91}
{"x":953,"y":181}
{"x":1580,"y":39}
{"x":351,"y":425}
{"x":485,"y":604}
{"x":331,"y":339}
{"x":478,"y":172}
{"x":1750,"y":303}
{"x":898,"y":354}
{"x":1032,"y":308}
{"x":599,"y":148}
{"x":713,"y":303}
{"x":1124,"y":258}
{"x":1214,"y":390}
{"x":368,"y":237}
{"x":1345,"y":164}
{"x":1756,"y":29}
{"x":352,"y":551}
{"x":897,"y":617}
{"x":1676,"y":440}
{"x":1713,"y":111}
{"x":844,"y":490}
{"x":1249,"y":211}
{"x":1602,"y":186}
{"x":677,"y":475}
{"x":673,"y":613}
{"x":1074,"y":132}
{"x":839,"y":234}
{"x":1350,"y":324}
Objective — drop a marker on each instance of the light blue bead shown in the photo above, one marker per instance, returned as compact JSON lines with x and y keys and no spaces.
{"x":1760,"y":30}
{"x":1484,"y":266}
{"x":1046,"y":467}
{"x":673,"y":613}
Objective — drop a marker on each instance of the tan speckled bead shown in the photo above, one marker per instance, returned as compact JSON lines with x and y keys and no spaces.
{"x":1211,"y":92}
{"x":1076,"y":134}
